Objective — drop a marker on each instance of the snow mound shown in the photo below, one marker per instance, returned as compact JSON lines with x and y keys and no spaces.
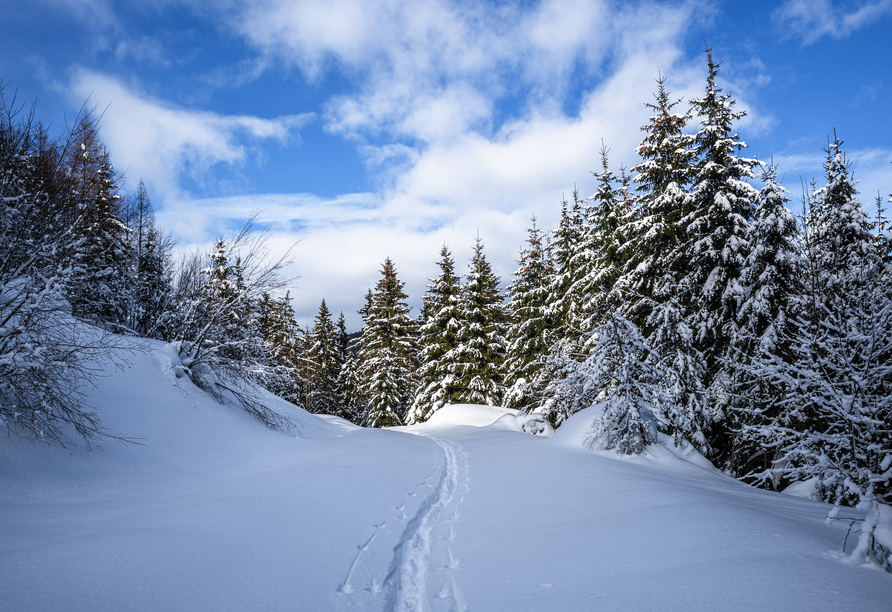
{"x":578,"y":429}
{"x":479,"y":415}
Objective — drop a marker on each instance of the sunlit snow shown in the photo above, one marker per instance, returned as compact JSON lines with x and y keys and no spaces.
{"x":212,"y":511}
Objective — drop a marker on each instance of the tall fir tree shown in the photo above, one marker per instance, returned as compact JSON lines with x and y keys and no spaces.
{"x":771,"y":302}
{"x":387,"y":353}
{"x":323,"y":356}
{"x":101,"y":253}
{"x":153,"y":290}
{"x":718,"y":247}
{"x":652,"y":231}
{"x":529,"y":332}
{"x":480,"y":345}
{"x":436,"y":337}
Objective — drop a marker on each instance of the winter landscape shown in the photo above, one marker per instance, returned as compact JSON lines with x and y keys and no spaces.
{"x":241,"y":370}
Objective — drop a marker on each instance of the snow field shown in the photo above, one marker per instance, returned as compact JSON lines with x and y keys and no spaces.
{"x":215,"y":512}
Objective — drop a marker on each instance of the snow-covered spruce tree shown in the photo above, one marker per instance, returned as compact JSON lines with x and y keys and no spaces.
{"x":651,"y":231}
{"x":284,"y":344}
{"x":648,"y":291}
{"x":214,"y":321}
{"x":343,"y":357}
{"x":47,"y":356}
{"x":387,"y":353}
{"x":598,"y":259}
{"x":717,"y":248}
{"x":436,"y":337}
{"x":672,"y":339}
{"x":623,"y":379}
{"x":153,"y":290}
{"x":323,"y":355}
{"x":480,"y":345}
{"x":529,"y":331}
{"x":101,"y":255}
{"x":771,"y":301}
{"x":563,"y":273}
{"x":836,"y":425}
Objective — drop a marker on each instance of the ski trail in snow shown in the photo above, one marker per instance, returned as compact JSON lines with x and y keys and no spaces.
{"x":406,"y":583}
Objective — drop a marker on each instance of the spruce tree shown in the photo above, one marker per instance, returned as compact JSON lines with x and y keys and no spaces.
{"x":529,"y":332}
{"x":652,"y":232}
{"x":771,"y":302}
{"x":598,"y":261}
{"x":480,"y":346}
{"x":153,"y":287}
{"x":718,"y":247}
{"x":388,"y":353}
{"x":101,"y":254}
{"x":652,"y":296}
{"x":323,"y":357}
{"x":436,"y":337}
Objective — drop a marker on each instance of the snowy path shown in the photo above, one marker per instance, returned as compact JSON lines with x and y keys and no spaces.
{"x":215,"y":512}
{"x":422,"y":556}
{"x":407,"y":583}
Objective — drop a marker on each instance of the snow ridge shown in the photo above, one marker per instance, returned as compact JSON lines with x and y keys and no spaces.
{"x":406,"y":583}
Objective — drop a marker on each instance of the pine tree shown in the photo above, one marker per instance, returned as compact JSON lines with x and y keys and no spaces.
{"x":529,"y":333}
{"x":475,"y":361}
{"x":153,"y":287}
{"x":771,"y":301}
{"x":835,"y":424}
{"x":323,"y":355}
{"x":564,"y":270}
{"x":387,"y":353}
{"x":436,"y":337}
{"x":627,"y":385}
{"x":718,"y":247}
{"x":652,"y":232}
{"x":281,"y":337}
{"x":101,"y":253}
{"x":652,"y":297}
{"x":598,"y":261}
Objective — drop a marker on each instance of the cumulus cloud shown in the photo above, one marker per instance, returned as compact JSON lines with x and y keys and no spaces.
{"x":813,"y":19}
{"x":428,"y":88}
{"x":470,"y":117}
{"x":163,"y":144}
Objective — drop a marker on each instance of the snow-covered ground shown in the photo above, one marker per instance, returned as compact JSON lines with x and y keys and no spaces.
{"x":215,"y":512}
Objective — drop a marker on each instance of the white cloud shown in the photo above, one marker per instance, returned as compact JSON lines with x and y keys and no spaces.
{"x":458,"y":110}
{"x":814,"y":19}
{"x":162,"y":144}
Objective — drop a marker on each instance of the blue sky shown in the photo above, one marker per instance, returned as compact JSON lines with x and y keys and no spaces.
{"x":372,"y":129}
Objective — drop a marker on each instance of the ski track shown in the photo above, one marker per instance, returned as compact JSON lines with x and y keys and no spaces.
{"x":406,"y":584}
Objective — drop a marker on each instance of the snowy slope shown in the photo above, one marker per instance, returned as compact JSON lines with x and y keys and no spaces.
{"x":215,"y":512}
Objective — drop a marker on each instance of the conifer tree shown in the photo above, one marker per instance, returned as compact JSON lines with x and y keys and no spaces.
{"x":771,"y":302}
{"x":480,"y":348}
{"x":529,"y":333}
{"x":564,"y":270}
{"x":153,"y":286}
{"x":323,"y":357}
{"x":718,"y":247}
{"x":598,"y":260}
{"x":625,"y":381}
{"x":101,"y":254}
{"x":436,"y":337}
{"x":835,"y":424}
{"x":388,"y":353}
{"x":652,"y":233}
{"x":344,"y":358}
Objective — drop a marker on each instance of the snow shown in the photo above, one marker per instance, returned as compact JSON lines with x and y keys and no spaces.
{"x":212,"y":511}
